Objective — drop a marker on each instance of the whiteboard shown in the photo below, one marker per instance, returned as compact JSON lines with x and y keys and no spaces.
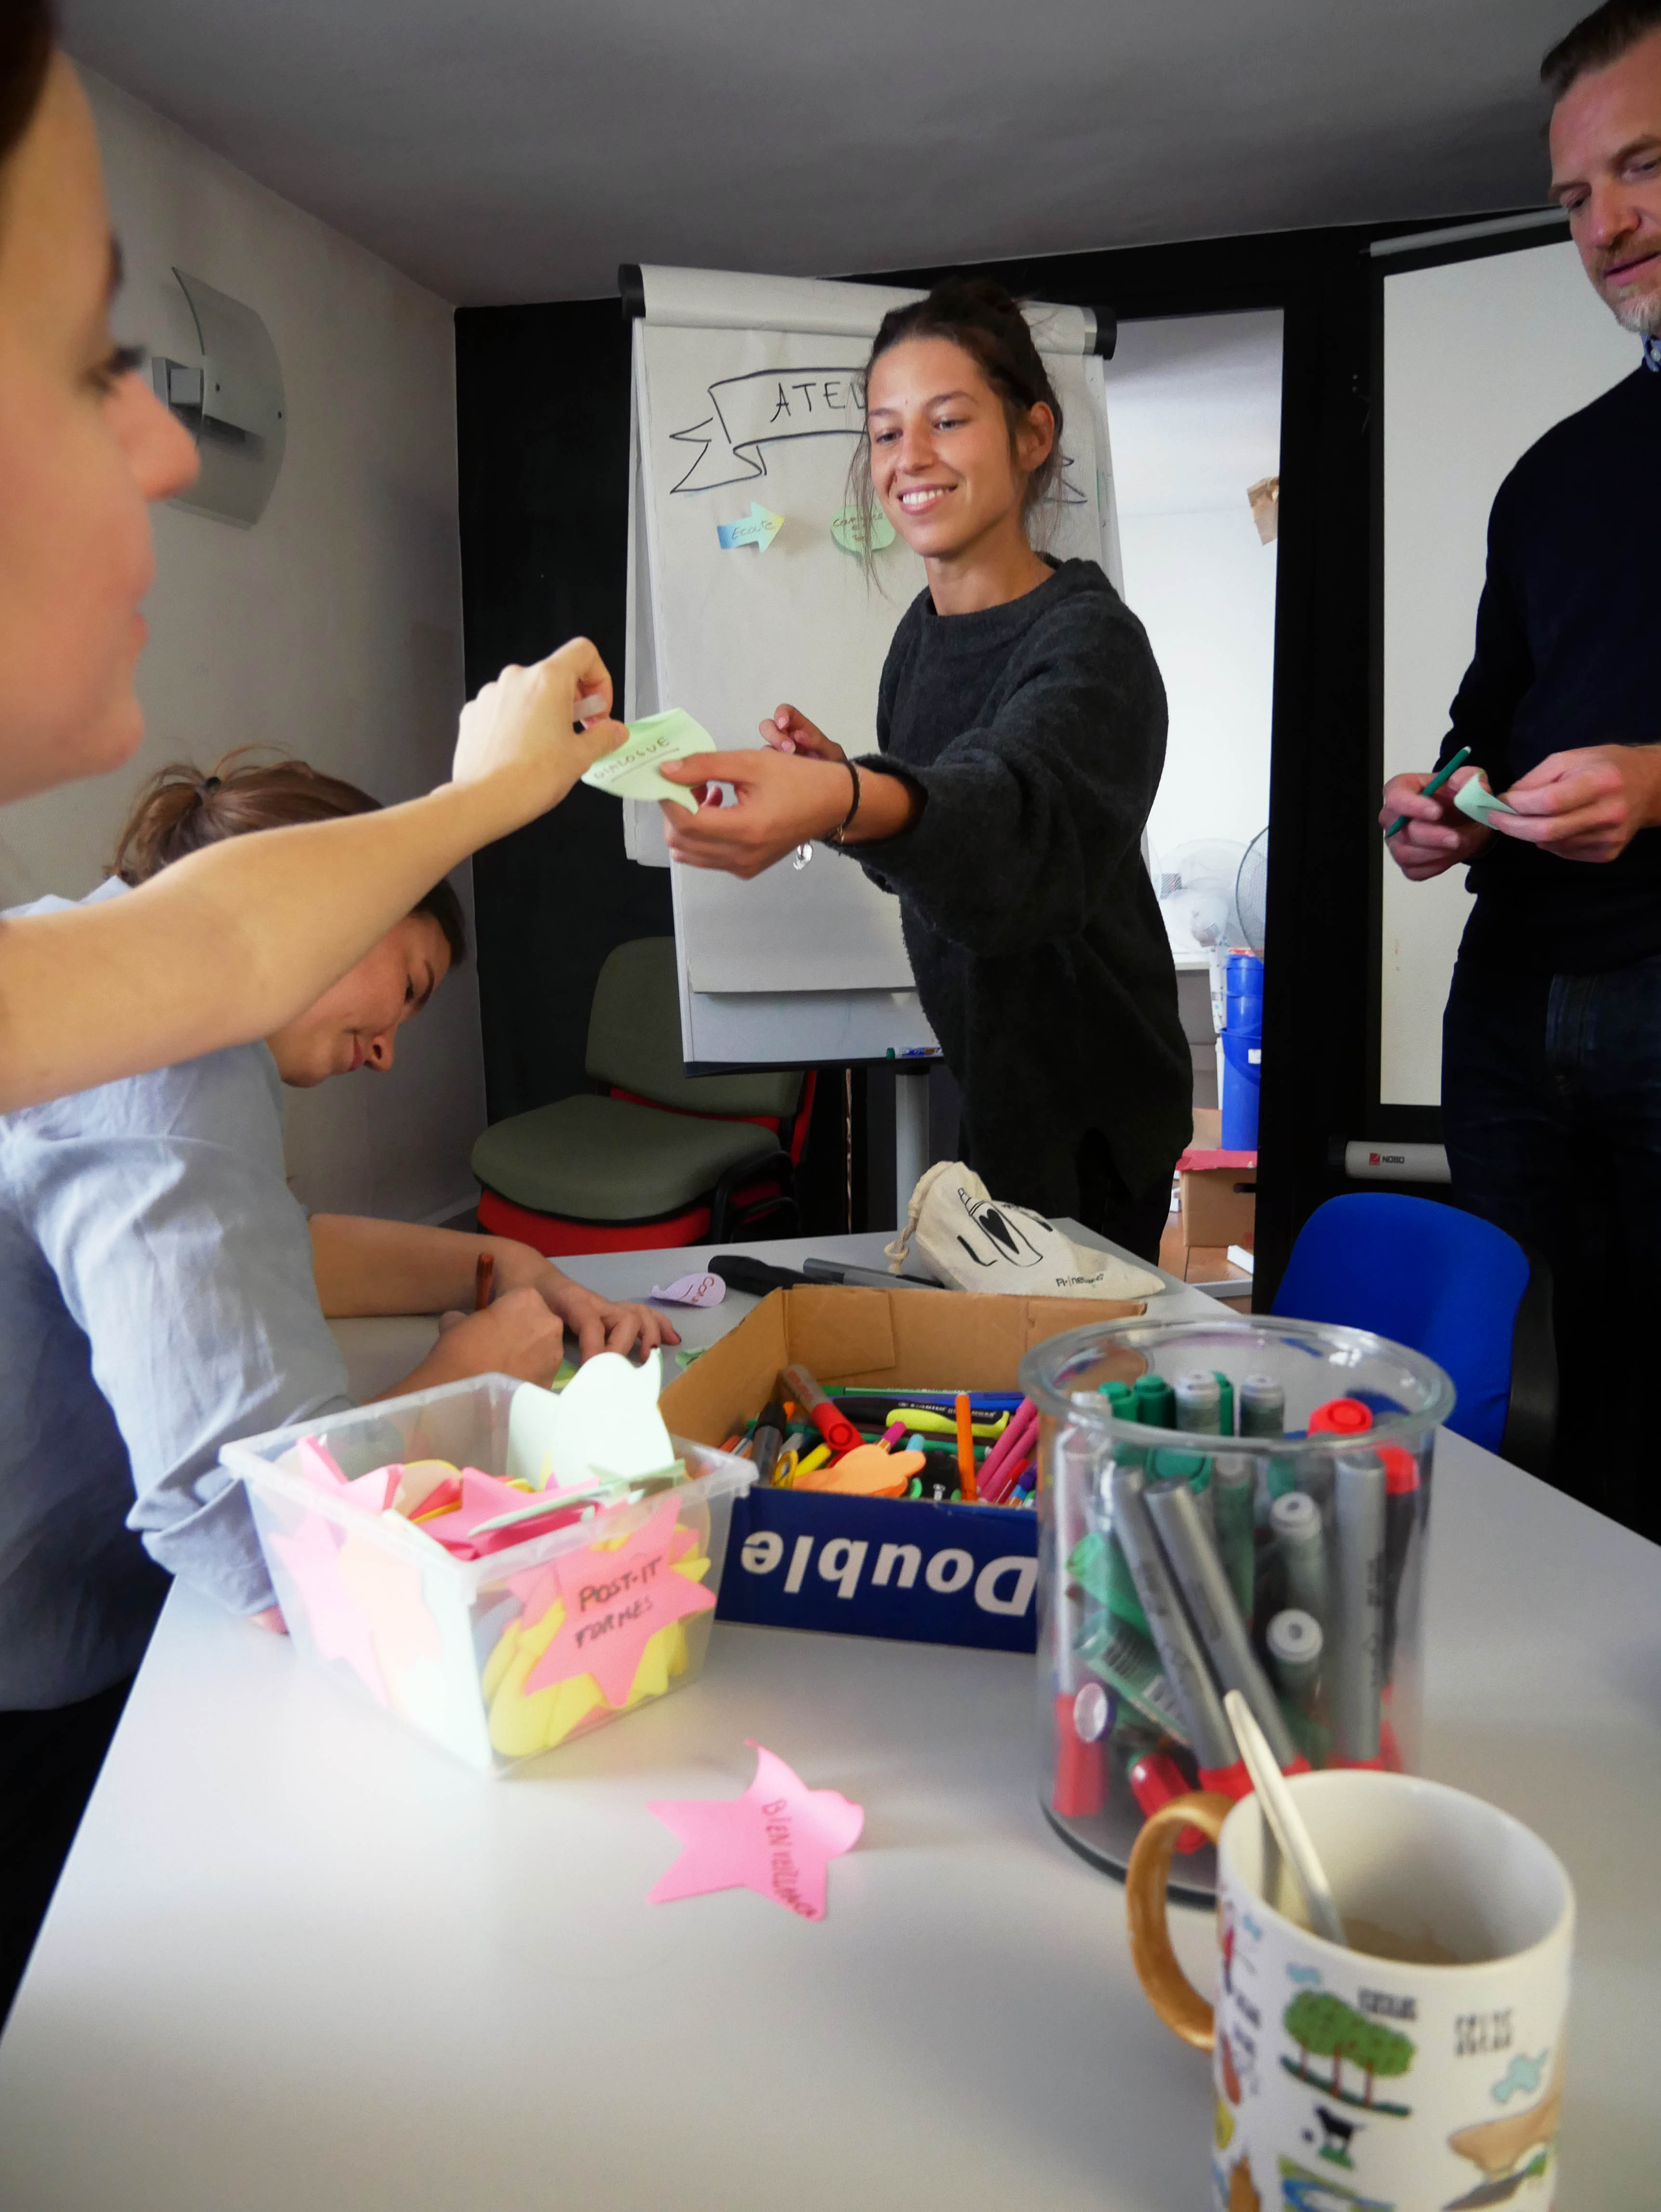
{"x":749,"y":390}
{"x":1481,"y":358}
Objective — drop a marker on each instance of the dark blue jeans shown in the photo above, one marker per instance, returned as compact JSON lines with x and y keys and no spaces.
{"x":1551,"y":1113}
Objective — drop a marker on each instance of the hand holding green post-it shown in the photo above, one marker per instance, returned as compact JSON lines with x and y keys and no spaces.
{"x":1475,"y":799}
{"x":631,"y":772}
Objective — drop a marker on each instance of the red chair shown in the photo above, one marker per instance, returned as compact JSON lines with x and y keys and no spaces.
{"x":653,"y":1156}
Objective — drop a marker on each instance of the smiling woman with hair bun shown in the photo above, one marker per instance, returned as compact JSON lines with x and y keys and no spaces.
{"x":1021,"y":728}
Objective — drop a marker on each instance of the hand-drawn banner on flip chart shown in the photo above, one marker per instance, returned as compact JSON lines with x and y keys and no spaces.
{"x":770,"y":405}
{"x":756,"y":410}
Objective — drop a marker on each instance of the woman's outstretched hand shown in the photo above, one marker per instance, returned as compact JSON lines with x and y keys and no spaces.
{"x":779,"y":802}
{"x":521,"y":733}
{"x":788,"y":731}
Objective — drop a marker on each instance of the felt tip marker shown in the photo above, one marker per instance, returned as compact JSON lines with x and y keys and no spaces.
{"x":1263,"y":1407}
{"x":1295,"y":1643}
{"x":1206,"y":1725}
{"x":966,"y":1448}
{"x":1129,"y":1665}
{"x":1199,"y":1578}
{"x":1234,"y":1507}
{"x":1356,"y":1662}
{"x":1432,"y":787}
{"x":1300,"y":1541}
{"x":768,"y":1441}
{"x":833,"y":1425}
{"x":1156,"y":1402}
{"x":1199,"y":1402}
{"x":1402,"y":1501}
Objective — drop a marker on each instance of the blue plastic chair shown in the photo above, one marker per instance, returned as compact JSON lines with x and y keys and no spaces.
{"x":1448,"y":1285}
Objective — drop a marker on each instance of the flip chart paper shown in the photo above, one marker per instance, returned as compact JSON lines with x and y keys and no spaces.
{"x":692,"y":1291}
{"x":615,"y":1600}
{"x":777,"y":1839}
{"x":631,"y":772}
{"x":1474,"y":797}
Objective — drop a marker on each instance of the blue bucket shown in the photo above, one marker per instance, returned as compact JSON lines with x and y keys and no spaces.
{"x":1243,"y":1052}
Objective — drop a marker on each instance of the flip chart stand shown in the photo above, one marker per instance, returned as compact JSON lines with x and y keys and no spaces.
{"x":911,"y":1134}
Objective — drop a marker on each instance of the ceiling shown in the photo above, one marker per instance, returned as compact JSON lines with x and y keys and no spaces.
{"x":503,"y":150}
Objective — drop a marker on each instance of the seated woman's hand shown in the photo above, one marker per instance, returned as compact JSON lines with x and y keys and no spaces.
{"x":788,"y":731}
{"x":603,"y":1324}
{"x":779,"y":801}
{"x":518,"y":1334}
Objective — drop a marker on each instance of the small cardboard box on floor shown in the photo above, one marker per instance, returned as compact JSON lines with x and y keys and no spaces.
{"x":877,"y":1566}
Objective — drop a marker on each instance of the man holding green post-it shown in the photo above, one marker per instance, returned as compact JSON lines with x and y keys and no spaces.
{"x":1551,"y":1050}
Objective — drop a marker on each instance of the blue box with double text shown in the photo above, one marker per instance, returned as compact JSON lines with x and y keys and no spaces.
{"x":882,"y":1566}
{"x":876,"y":1566}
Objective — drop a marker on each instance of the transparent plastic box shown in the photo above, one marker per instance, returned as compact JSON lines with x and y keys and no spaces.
{"x":1130,"y":1596}
{"x":460,"y":1650}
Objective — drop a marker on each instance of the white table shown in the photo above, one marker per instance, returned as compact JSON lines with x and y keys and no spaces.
{"x":381,"y":1352}
{"x":298,"y":1958}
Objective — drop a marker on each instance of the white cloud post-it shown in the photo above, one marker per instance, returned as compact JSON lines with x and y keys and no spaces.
{"x":631,"y":772}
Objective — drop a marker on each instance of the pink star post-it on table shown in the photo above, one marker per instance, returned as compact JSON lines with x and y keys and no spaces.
{"x":615,"y":1600}
{"x":777,"y":1839}
{"x":341,"y":1628}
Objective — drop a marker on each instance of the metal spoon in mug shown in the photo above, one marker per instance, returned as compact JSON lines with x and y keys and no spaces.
{"x":1285,"y":1820}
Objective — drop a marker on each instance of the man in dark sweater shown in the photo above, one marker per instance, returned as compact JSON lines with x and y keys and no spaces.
{"x":1551,"y":1066}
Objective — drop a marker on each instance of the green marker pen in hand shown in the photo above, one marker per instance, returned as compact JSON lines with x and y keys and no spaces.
{"x":1432,"y":787}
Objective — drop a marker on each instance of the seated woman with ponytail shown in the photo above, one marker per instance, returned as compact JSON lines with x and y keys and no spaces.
{"x":161,"y":1292}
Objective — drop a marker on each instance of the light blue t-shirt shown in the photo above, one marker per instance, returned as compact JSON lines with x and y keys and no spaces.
{"x":156,"y":1299}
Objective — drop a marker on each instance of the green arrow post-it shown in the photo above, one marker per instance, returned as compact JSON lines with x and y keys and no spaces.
{"x":848,"y":529}
{"x":631,"y":772}
{"x":1475,"y":799}
{"x":758,"y":528}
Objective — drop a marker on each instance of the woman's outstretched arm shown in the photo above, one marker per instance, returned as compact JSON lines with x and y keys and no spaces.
{"x":231,"y":944}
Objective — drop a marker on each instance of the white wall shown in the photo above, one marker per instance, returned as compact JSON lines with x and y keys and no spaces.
{"x":1194,"y":404}
{"x":331,"y":630}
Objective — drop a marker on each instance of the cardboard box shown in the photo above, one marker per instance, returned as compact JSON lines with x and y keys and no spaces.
{"x":1220,"y":1204}
{"x":1219,"y":1190}
{"x":877,"y":1566}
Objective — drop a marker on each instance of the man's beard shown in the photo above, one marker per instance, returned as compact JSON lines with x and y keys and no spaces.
{"x":1640,"y":313}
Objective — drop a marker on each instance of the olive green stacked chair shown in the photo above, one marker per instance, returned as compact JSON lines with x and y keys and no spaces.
{"x":652,"y":1156}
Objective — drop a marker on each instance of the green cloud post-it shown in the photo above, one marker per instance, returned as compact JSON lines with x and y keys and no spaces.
{"x":631,"y":772}
{"x":1474,"y":797}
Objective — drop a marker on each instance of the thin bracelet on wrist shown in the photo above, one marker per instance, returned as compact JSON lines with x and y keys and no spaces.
{"x":847,"y":822}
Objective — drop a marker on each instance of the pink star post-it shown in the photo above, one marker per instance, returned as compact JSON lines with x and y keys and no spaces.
{"x":777,"y":1839}
{"x":340,"y":1626}
{"x":615,"y":1600}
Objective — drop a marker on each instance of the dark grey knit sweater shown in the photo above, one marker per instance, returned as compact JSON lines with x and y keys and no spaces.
{"x":1036,"y":732}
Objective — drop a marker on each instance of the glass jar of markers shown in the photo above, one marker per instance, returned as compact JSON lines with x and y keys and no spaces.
{"x":1230,"y":1504}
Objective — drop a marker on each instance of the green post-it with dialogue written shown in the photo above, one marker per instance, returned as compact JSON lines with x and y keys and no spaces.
{"x":631,"y":772}
{"x":1474,"y":797}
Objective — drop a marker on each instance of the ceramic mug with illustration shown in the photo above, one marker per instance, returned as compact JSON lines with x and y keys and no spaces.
{"x":1419,"y":2068}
